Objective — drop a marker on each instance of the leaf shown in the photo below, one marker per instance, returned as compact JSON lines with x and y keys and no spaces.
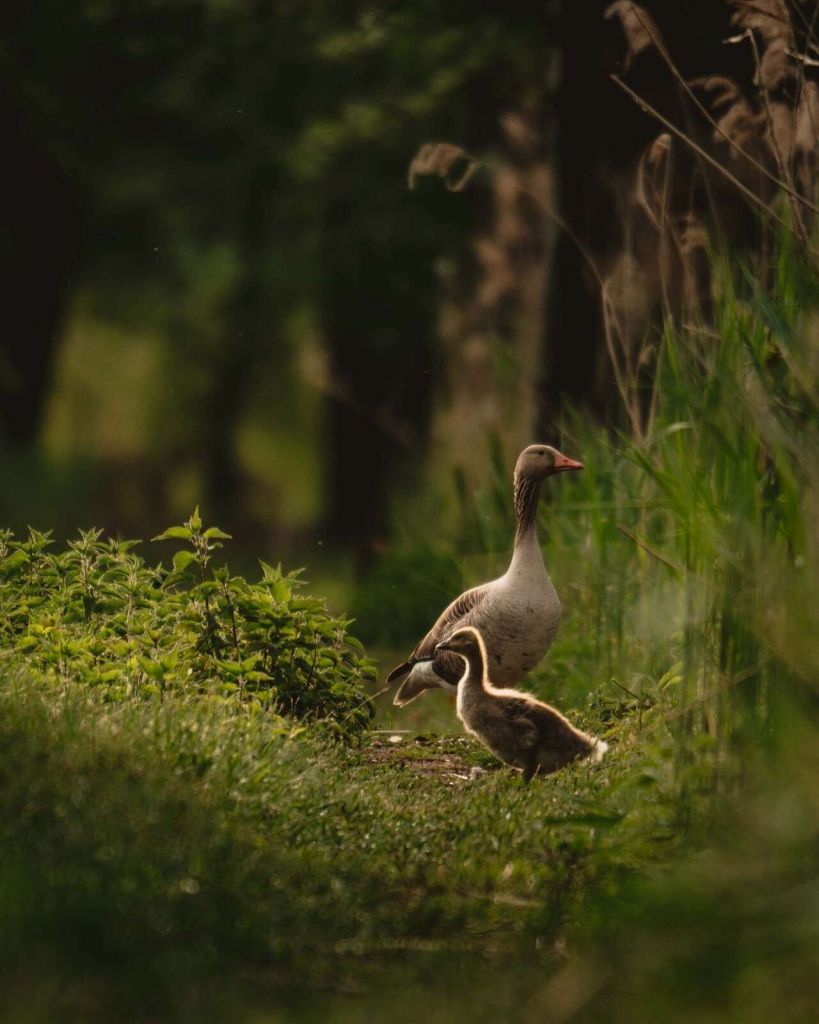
{"x":13,"y":564}
{"x":182,"y":559}
{"x":214,"y":533}
{"x":195,"y":521}
{"x":233,"y":668}
{"x":151,"y":668}
{"x":258,"y":677}
{"x":280,"y":590}
{"x":174,"y":533}
{"x":126,"y":545}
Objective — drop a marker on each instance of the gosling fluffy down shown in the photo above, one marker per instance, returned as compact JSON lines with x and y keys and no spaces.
{"x":519,"y":730}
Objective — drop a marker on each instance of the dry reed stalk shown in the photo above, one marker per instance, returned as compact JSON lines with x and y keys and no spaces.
{"x":711,"y":161}
{"x":751,"y":129}
{"x":662,"y":50}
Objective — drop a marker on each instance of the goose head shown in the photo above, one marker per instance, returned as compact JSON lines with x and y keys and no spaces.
{"x":541,"y":460}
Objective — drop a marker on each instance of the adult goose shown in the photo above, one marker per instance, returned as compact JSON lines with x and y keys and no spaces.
{"x":519,"y":730}
{"x":517,"y":614}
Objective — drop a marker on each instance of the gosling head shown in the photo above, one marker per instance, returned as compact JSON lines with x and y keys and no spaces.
{"x":541,"y":460}
{"x":466,"y":641}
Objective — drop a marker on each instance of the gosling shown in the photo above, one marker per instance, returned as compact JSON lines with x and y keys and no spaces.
{"x":522,"y":732}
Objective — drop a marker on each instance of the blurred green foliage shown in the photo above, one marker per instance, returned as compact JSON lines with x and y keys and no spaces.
{"x":241,"y":265}
{"x":403,"y":594}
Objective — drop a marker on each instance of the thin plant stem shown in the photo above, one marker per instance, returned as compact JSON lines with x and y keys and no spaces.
{"x":666,"y":56}
{"x":747,"y":192}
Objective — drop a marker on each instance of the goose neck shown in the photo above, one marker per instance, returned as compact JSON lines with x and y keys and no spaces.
{"x":527,"y":495}
{"x":475,"y":670}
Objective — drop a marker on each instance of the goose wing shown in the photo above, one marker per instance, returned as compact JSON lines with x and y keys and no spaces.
{"x":447,"y":665}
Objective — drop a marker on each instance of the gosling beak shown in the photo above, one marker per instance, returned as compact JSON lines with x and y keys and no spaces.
{"x":562,"y":463}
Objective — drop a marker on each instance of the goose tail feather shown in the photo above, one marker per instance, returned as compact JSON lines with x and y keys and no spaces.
{"x":400,"y":671}
{"x":409,"y":690}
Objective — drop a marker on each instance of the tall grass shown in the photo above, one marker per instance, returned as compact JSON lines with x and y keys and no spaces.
{"x":694,"y":546}
{"x":687,"y":561}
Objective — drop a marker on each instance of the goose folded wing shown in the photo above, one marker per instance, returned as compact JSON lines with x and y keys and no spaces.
{"x":448,"y":666}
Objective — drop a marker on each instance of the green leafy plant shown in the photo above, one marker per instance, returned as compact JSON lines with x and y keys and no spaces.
{"x":98,"y":613}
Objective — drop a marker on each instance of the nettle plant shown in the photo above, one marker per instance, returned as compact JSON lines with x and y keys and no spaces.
{"x":96,"y":613}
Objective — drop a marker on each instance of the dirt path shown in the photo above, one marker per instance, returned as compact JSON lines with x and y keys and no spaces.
{"x":452,"y":759}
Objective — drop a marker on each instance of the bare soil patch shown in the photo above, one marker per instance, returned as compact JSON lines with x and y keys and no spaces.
{"x":452,"y":759}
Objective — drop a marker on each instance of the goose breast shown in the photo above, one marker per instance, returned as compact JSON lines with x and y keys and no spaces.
{"x":518,"y":620}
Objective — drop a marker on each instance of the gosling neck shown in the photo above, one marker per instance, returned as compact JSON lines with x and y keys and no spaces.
{"x":527,"y":496}
{"x":475,"y":670}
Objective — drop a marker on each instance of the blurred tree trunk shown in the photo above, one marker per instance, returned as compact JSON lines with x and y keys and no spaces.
{"x":39,"y":236}
{"x":377,"y":304}
{"x":249,"y":332}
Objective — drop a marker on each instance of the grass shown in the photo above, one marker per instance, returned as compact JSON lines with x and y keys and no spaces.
{"x":169,"y":859}
{"x":174,"y":842}
{"x":165,"y":854}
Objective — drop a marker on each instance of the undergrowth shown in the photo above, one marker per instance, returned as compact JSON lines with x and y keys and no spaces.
{"x":97,"y":613}
{"x":190,"y":848}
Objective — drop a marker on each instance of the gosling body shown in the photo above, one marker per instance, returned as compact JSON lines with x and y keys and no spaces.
{"x":518,"y":729}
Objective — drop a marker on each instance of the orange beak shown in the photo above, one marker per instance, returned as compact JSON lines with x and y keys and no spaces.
{"x":562,"y":464}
